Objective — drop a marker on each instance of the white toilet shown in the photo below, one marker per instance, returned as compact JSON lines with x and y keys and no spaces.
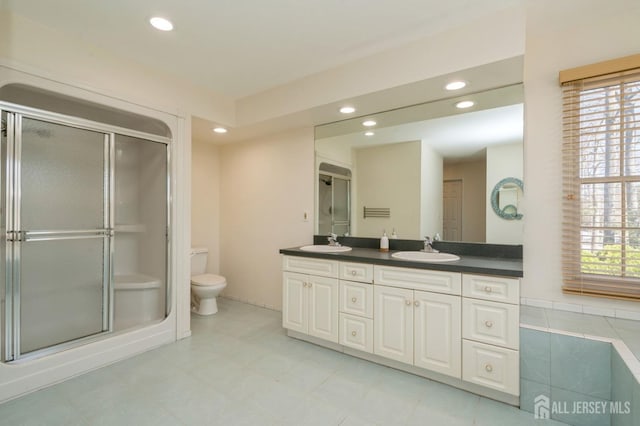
{"x":205,"y":288}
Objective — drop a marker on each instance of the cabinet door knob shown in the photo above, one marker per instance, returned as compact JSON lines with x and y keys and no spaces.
{"x":488,"y":368}
{"x":488,"y":323}
{"x":353,"y":333}
{"x":416,"y":303}
{"x":304,"y":284}
{"x":353,"y":272}
{"x":408,"y":302}
{"x":488,"y":289}
{"x":309,"y":285}
{"x":354,"y":300}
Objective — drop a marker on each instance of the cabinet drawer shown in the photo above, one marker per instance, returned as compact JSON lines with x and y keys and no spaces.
{"x":490,"y":366}
{"x":356,"y":272}
{"x":305,"y":265}
{"x":498,"y":289}
{"x":418,"y":279}
{"x":356,"y":332}
{"x":491,"y":322}
{"x":356,"y":298}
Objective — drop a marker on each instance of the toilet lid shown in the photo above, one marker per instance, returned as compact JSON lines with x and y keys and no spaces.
{"x":207,"y":280}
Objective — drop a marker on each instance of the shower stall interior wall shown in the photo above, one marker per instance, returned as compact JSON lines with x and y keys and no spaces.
{"x":84,"y":230}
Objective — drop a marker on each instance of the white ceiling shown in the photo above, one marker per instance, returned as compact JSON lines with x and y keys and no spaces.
{"x":242,"y":47}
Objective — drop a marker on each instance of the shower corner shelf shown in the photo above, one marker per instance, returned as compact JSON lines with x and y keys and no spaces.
{"x":131,"y":228}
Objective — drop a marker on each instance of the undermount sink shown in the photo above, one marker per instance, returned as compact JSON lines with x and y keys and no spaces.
{"x":326,"y":249}
{"x":422,"y":256}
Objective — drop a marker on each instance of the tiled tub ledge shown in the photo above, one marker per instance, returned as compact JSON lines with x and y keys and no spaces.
{"x":588,"y":372}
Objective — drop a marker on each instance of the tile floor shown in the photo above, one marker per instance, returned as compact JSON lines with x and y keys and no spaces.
{"x":239,"y":368}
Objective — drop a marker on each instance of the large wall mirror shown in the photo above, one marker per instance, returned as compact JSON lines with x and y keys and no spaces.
{"x":423,"y":170}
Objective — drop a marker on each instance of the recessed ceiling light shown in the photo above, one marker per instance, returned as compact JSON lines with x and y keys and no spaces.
{"x":220,"y":130}
{"x":347,"y":110}
{"x":456,"y":85}
{"x":161,"y":24}
{"x":464,"y":104}
{"x":369,"y":133}
{"x":369,"y":123}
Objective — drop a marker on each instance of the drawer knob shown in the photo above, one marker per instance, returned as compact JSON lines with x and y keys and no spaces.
{"x":416,"y":303}
{"x":407,"y":302}
{"x":488,"y":323}
{"x":488,"y":368}
{"x":353,"y":272}
{"x":354,"y":300}
{"x":353,"y":333}
{"x":488,"y":289}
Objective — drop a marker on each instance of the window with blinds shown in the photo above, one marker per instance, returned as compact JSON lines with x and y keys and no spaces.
{"x":601,"y":181}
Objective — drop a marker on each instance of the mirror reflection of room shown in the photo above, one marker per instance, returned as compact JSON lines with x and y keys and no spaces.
{"x":431,"y":165}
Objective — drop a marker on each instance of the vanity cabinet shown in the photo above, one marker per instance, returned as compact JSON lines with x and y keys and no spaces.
{"x":310,"y":301}
{"x":418,"y":327}
{"x":465,"y":327}
{"x":490,"y":332}
{"x":356,"y":306}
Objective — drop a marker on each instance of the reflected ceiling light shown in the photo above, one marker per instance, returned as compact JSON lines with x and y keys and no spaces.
{"x":220,"y":130}
{"x":347,"y":110}
{"x":456,"y":85}
{"x":464,"y":104}
{"x":369,"y":133}
{"x":161,"y":24}
{"x":369,"y":123}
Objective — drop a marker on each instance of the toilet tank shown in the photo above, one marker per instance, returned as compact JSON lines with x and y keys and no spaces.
{"x":199,"y":260}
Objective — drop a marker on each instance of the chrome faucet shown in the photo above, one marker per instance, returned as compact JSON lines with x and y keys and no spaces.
{"x":333,"y":240}
{"x":428,"y":245}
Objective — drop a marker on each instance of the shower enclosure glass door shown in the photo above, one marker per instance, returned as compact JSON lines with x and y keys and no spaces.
{"x":57,"y":234}
{"x":84,"y":217}
{"x":334,"y":200}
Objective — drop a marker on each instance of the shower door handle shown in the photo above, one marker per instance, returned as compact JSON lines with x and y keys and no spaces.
{"x":76,"y":234}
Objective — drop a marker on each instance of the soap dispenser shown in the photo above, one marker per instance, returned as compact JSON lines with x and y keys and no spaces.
{"x":394,"y":236}
{"x":384,"y":242}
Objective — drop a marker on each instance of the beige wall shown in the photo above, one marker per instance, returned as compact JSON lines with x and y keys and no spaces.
{"x":266,"y":186}
{"x":430,"y":192}
{"x":473,"y":177}
{"x":605,"y":30}
{"x":205,"y":201}
{"x":504,"y":161}
{"x":389,"y":176}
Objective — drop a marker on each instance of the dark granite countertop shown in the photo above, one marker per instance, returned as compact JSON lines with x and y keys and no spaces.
{"x":501,"y":266}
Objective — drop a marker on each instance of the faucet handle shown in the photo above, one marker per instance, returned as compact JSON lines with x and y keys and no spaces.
{"x":333,"y":239}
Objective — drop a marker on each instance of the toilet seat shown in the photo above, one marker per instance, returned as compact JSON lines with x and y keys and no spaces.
{"x":208,"y":280}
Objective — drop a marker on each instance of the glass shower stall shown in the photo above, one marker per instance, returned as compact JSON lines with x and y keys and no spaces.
{"x":84,"y":218}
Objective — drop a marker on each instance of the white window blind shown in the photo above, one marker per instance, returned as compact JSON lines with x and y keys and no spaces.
{"x":601,"y":183}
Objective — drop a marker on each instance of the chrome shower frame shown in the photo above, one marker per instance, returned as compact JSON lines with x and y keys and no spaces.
{"x":14,"y":236}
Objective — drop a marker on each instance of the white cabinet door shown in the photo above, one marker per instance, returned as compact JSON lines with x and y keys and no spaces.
{"x":393,"y":323}
{"x":294,"y":302}
{"x":356,"y":298}
{"x":323,"y":307}
{"x":356,"y":272}
{"x":491,"y":366}
{"x":438,"y":333}
{"x":356,"y":332}
{"x":491,"y":322}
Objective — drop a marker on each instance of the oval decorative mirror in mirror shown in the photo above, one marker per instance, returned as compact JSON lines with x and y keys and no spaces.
{"x":505,"y":198}
{"x":430,"y":167}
